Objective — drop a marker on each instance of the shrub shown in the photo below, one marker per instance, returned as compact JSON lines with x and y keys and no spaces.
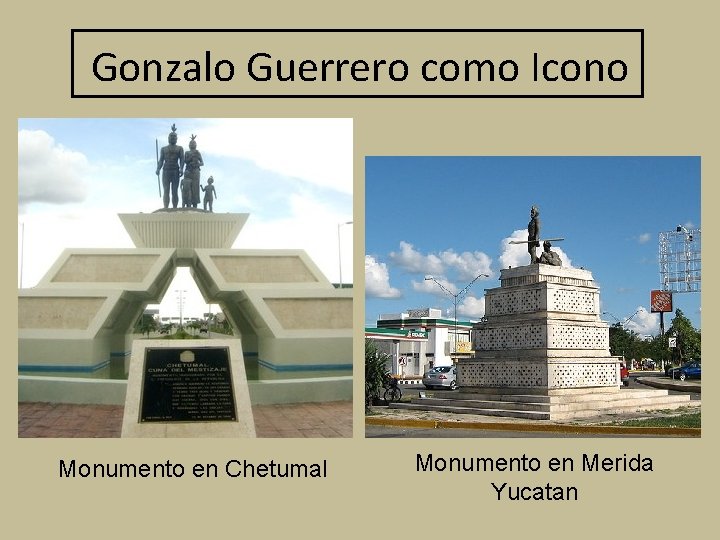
{"x":375,"y":372}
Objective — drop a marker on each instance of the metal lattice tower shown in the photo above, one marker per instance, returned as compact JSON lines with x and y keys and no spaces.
{"x":679,"y":257}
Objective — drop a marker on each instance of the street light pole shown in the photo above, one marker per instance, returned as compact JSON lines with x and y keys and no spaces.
{"x":627,"y":319}
{"x":339,"y":251}
{"x":180,"y":304}
{"x":22,"y":251}
{"x":455,"y":298}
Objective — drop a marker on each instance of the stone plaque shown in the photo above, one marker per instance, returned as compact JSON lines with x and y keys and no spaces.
{"x":187,"y":385}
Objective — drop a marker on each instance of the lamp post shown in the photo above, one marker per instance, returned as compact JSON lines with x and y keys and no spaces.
{"x":181,"y":299}
{"x":627,"y":320}
{"x":22,"y":251}
{"x":339,"y":250}
{"x":455,"y":298}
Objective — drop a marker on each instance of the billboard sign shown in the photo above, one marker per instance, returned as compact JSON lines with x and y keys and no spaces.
{"x":661,"y":301}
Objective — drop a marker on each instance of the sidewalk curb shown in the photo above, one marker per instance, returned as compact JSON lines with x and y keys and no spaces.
{"x":536,"y":428}
{"x":672,"y":384}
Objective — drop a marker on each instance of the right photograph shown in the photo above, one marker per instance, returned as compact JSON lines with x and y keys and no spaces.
{"x":532,"y":296}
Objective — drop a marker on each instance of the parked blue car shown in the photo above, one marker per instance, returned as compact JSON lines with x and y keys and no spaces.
{"x":689,"y":370}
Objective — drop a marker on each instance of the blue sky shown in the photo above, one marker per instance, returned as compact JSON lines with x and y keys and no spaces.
{"x":294,"y":177}
{"x":452,"y":217}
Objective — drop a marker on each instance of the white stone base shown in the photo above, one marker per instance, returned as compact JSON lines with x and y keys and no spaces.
{"x":540,"y":373}
{"x":77,"y":322}
{"x":563,"y":404}
{"x":542,"y":331}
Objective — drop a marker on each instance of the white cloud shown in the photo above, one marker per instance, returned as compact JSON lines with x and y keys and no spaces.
{"x":431,"y":287}
{"x":514,"y":255}
{"x":469,"y":306}
{"x":644,"y":322}
{"x":467,"y":265}
{"x":448,"y":268}
{"x":472,"y":307}
{"x":644,"y":238}
{"x":318,"y":150}
{"x":377,"y":280}
{"x":408,"y":258}
{"x":310,"y":225}
{"x":49,"y":172}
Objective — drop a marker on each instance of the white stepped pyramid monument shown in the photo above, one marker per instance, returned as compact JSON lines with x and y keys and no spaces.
{"x":542,"y":351}
{"x":288,"y":317}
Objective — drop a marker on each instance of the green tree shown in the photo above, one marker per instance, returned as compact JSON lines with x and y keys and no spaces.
{"x":688,"y":339}
{"x":146,"y":324}
{"x":621,"y":341}
{"x":218,"y":323}
{"x":167,"y":328}
{"x":194,"y":326}
{"x":627,"y":343}
{"x":657,"y":349}
{"x":375,"y":372}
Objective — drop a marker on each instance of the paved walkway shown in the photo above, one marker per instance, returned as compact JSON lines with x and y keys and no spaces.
{"x":62,"y":420}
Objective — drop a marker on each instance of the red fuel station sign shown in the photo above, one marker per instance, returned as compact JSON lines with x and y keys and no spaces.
{"x":660,"y":301}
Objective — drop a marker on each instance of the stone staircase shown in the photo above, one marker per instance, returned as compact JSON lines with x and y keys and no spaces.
{"x":563,"y":406}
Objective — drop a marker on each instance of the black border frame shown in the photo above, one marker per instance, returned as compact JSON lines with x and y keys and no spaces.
{"x":75,"y":95}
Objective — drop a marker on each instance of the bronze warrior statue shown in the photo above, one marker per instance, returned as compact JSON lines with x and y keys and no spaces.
{"x":193,"y":162}
{"x":533,"y":234}
{"x":170,"y":161}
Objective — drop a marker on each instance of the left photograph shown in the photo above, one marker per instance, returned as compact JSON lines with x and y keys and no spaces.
{"x":185,"y":277}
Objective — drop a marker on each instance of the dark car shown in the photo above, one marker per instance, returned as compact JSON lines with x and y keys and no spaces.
{"x":441,"y":376}
{"x":688,"y":370}
{"x":691,"y":370}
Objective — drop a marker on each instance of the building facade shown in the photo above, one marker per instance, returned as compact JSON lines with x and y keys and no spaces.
{"x":420,"y":339}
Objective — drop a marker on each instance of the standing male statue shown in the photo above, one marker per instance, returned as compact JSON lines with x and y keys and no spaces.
{"x":170,"y":161}
{"x":533,"y":234}
{"x":533,"y":242}
{"x":193,"y":162}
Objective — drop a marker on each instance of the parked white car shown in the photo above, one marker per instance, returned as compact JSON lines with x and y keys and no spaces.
{"x":441,"y":376}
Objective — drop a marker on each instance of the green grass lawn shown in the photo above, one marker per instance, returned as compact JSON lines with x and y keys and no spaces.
{"x":688,"y":420}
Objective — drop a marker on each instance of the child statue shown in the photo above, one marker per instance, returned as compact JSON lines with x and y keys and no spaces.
{"x":186,"y":192}
{"x":209,"y":192}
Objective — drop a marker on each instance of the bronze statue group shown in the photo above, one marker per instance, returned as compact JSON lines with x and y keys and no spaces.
{"x":547,"y":256}
{"x":171,"y":160}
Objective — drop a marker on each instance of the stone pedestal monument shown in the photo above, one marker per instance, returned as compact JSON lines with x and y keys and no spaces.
{"x":541,"y":351}
{"x":290,"y":324}
{"x":542,"y":332}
